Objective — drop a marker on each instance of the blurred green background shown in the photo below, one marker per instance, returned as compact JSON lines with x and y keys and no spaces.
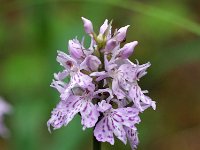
{"x":169,"y":37}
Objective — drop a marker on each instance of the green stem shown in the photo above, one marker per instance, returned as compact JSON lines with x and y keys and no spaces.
{"x":96,"y":144}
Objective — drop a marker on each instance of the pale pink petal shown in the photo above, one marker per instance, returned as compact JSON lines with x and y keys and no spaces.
{"x":121,"y":33}
{"x":64,"y":112}
{"x":61,"y":75}
{"x":90,"y":63}
{"x":104,"y":131}
{"x":65,"y":60}
{"x":132,"y":137}
{"x":87,"y":25}
{"x":139,"y":99}
{"x":127,"y":50}
{"x":119,"y":131}
{"x":127,"y":116}
{"x":128,"y":72}
{"x":89,"y":115}
{"x":83,"y":81}
{"x":103,"y":106}
{"x":117,"y":90}
{"x":103,"y":27}
{"x":75,"y":49}
{"x":59,"y":85}
{"x":100,"y":75}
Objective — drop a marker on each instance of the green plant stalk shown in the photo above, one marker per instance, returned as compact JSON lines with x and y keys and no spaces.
{"x":96,"y":144}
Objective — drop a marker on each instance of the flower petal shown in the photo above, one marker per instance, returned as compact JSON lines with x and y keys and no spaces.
{"x":100,"y":75}
{"x":90,"y":63}
{"x":132,"y":137}
{"x":89,"y":115}
{"x":75,"y":49}
{"x":64,"y":112}
{"x":139,"y":99}
{"x":87,"y":25}
{"x":103,"y":131}
{"x":111,"y":44}
{"x":127,"y":116}
{"x":119,"y":131}
{"x":127,"y":49}
{"x":65,"y":60}
{"x":128,"y":72}
{"x":59,"y":85}
{"x":103,"y":27}
{"x":141,"y":70}
{"x":103,"y":106}
{"x":121,"y":33}
{"x":61,"y":75}
{"x":117,"y":90}
{"x":83,"y":81}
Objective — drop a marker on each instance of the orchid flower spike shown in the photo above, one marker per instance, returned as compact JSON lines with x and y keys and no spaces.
{"x":102,"y":86}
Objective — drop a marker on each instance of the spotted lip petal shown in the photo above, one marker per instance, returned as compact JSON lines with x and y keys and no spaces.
{"x":113,"y":122}
{"x":140,"y":100}
{"x":132,"y":136}
{"x":89,"y":115}
{"x":83,"y":81}
{"x":64,"y":112}
{"x":67,"y":109}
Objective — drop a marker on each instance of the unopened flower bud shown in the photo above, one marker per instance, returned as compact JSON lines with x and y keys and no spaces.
{"x":121,"y":33}
{"x":127,"y":50}
{"x":103,"y":27}
{"x":110,"y":45}
{"x":87,"y":25}
{"x":75,"y":49}
{"x":100,"y":38}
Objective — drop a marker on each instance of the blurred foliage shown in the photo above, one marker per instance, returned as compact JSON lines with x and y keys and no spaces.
{"x":168,"y":34}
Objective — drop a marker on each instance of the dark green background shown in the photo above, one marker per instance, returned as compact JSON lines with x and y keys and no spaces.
{"x":169,"y":37}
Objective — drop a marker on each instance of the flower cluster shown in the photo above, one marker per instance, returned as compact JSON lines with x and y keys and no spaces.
{"x":5,"y":108}
{"x":103,"y":85}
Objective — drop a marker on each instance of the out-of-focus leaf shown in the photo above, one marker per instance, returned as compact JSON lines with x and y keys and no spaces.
{"x":26,"y":123}
{"x":173,"y":57}
{"x":133,"y":6}
{"x":69,"y":137}
{"x":23,"y":71}
{"x":161,"y":14}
